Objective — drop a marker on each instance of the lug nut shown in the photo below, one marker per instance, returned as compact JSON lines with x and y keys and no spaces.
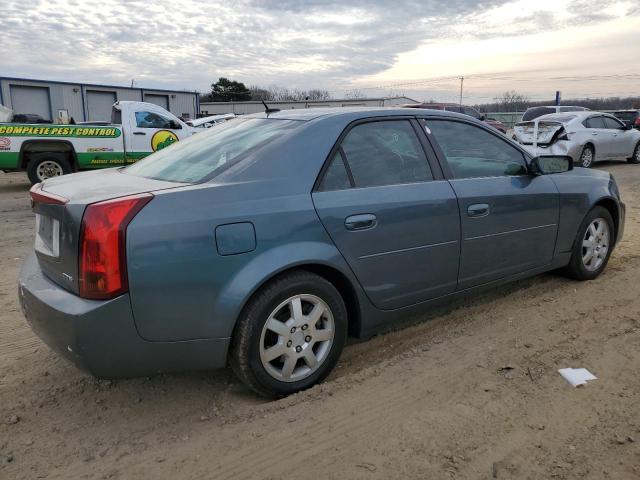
{"x":293,"y":329}
{"x":307,"y":338}
{"x":289,"y":343}
{"x":298,"y":349}
{"x":305,"y":326}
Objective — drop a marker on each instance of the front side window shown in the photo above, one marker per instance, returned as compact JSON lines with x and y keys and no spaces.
{"x":385,"y":153}
{"x":612,"y":123}
{"x":201,"y":156}
{"x":471,"y":151}
{"x":152,"y":120}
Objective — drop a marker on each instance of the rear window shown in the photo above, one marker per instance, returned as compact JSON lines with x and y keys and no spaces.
{"x":203,"y":155}
{"x":536,"y":112}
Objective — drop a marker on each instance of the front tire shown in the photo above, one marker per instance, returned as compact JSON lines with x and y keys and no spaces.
{"x":635,"y":158}
{"x":290,"y":335}
{"x":587,"y":156}
{"x":593,"y":245}
{"x":43,"y":167}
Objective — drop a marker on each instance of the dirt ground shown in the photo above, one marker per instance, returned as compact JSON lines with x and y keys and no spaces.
{"x":472,"y":393}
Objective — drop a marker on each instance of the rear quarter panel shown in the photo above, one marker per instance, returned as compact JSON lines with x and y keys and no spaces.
{"x":182,"y":288}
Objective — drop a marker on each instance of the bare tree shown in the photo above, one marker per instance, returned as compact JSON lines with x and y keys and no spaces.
{"x":511,"y":101}
{"x":354,"y":94}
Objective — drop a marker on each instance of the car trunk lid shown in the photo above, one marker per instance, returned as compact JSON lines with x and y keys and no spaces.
{"x":59,"y":205}
{"x":547,"y":132}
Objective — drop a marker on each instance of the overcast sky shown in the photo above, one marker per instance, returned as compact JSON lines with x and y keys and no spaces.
{"x":412,"y":47}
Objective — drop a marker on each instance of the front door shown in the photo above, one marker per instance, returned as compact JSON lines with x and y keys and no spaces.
{"x":509,"y":218}
{"x":152,"y":131}
{"x":393,"y":220}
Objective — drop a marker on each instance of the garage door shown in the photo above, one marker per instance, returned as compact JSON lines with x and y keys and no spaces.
{"x":99,"y":105}
{"x":160,"y":100}
{"x":31,"y":100}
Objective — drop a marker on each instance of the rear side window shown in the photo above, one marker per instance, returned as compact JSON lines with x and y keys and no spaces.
{"x":385,"y":153}
{"x":336,"y":176}
{"x":200,"y":157}
{"x":595,"y":122}
{"x":536,"y":112}
{"x":471,"y":151}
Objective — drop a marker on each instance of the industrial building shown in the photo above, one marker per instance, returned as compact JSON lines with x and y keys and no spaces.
{"x":242,"y":108}
{"x":86,"y":102}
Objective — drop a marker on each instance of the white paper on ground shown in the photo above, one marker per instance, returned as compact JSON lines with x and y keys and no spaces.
{"x":576,"y":376}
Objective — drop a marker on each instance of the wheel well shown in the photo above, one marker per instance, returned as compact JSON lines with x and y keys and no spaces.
{"x":612,"y":208}
{"x":339,"y":281}
{"x":593,"y":148}
{"x":55,"y":147}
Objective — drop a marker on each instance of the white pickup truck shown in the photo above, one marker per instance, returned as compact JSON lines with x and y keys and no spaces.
{"x":45,"y":150}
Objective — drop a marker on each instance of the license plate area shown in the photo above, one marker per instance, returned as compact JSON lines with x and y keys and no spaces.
{"x":47,"y":235}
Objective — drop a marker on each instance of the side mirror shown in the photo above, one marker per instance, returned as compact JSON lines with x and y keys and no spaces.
{"x":548,"y":164}
{"x":483,"y":117}
{"x":627,"y":126}
{"x":173,"y":125}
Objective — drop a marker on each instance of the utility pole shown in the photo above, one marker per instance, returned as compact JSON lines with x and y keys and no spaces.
{"x":461,"y":83}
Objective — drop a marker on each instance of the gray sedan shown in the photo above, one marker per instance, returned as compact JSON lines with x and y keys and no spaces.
{"x":262,"y":243}
{"x":586,"y":137}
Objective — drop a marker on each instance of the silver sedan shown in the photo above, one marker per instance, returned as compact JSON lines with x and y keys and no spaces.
{"x":586,"y":137}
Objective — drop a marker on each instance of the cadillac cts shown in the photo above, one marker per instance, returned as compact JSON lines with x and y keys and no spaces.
{"x":262,"y":243}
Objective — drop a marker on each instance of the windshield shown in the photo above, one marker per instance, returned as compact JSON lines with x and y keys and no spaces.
{"x":203,"y":155}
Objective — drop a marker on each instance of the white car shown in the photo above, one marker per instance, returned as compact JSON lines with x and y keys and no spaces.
{"x":586,"y":137}
{"x":532,"y":113}
{"x":210,"y":121}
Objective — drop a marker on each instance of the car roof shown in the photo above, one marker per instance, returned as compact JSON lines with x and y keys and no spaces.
{"x":306,"y":114}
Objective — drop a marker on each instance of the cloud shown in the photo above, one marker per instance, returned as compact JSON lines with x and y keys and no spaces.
{"x":189,"y":44}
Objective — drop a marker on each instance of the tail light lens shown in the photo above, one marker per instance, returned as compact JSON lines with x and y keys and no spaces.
{"x":103,"y":262}
{"x":637,"y":122}
{"x":40,"y":196}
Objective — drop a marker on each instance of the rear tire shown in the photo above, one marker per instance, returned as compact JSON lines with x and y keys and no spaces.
{"x":635,"y":158}
{"x":593,"y":245}
{"x":587,"y":156}
{"x":278,"y":347}
{"x":43,"y":167}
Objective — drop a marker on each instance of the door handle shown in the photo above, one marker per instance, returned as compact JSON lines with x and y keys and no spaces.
{"x":478,"y":210}
{"x":139,"y":133}
{"x":360,"y":222}
{"x":595,"y":134}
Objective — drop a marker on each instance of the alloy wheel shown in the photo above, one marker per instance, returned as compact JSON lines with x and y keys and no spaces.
{"x":595,"y":244}
{"x":297,"y":338}
{"x":586,"y":159}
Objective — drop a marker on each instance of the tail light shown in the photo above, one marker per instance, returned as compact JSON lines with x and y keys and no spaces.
{"x":103,"y":262}
{"x":637,"y":122}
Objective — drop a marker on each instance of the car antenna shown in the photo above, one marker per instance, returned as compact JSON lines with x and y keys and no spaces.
{"x":268,"y":110}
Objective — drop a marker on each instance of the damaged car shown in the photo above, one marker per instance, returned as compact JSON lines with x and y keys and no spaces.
{"x":587,"y":137}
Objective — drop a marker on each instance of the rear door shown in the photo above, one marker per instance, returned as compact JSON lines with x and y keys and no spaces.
{"x":508,"y":217}
{"x":600,"y":137}
{"x":390,"y":212}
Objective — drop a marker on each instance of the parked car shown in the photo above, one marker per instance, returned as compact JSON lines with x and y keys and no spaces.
{"x":210,"y":121}
{"x":264,"y":241}
{"x":586,"y":137}
{"x":629,"y":117}
{"x":464,"y":109}
{"x":532,"y":113}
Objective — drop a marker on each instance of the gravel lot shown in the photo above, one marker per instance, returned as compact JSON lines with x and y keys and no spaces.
{"x":472,"y":393}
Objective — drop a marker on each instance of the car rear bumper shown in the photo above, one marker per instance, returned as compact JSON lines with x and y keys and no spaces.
{"x":572,"y":149}
{"x":100,"y":336}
